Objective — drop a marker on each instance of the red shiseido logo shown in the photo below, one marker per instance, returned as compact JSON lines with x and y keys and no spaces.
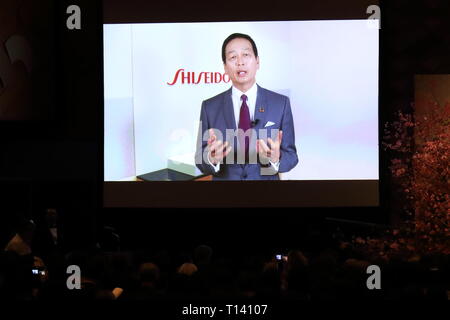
{"x":190,"y":77}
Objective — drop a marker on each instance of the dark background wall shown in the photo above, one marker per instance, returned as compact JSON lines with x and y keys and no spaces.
{"x":50,"y":155}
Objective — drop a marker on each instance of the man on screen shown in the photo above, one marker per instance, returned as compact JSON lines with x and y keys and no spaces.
{"x":257,"y":123}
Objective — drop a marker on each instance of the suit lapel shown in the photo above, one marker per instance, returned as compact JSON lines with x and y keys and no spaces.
{"x":261,"y":109}
{"x":228,"y":111}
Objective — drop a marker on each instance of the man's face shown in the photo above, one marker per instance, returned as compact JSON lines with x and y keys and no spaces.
{"x":240,"y":63}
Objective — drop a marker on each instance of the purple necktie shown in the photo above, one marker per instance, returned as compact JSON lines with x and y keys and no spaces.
{"x":244,"y":122}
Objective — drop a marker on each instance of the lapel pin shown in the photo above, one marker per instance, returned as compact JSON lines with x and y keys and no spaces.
{"x":261,"y":109}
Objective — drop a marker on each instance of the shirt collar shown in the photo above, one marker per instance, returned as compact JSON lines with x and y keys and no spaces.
{"x":251,"y":93}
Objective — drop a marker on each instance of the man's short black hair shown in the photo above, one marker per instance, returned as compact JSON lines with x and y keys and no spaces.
{"x":238,"y":35}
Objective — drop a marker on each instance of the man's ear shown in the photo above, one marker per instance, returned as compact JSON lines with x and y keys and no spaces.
{"x":257,"y":61}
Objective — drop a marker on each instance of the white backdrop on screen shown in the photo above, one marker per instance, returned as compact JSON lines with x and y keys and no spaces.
{"x":329,"y":69}
{"x":119,"y":120}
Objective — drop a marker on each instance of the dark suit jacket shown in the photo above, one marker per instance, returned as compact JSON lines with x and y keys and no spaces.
{"x":271,"y":107}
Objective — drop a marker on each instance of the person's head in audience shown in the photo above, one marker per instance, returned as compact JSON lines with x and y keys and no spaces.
{"x":187,"y":269}
{"x":296,"y":259}
{"x":21,"y":241}
{"x":26,"y":230}
{"x":148,"y":274}
{"x":104,"y":295}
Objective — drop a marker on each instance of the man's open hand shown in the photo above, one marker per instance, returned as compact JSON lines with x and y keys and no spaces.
{"x":272,"y":150}
{"x":217,"y":150}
